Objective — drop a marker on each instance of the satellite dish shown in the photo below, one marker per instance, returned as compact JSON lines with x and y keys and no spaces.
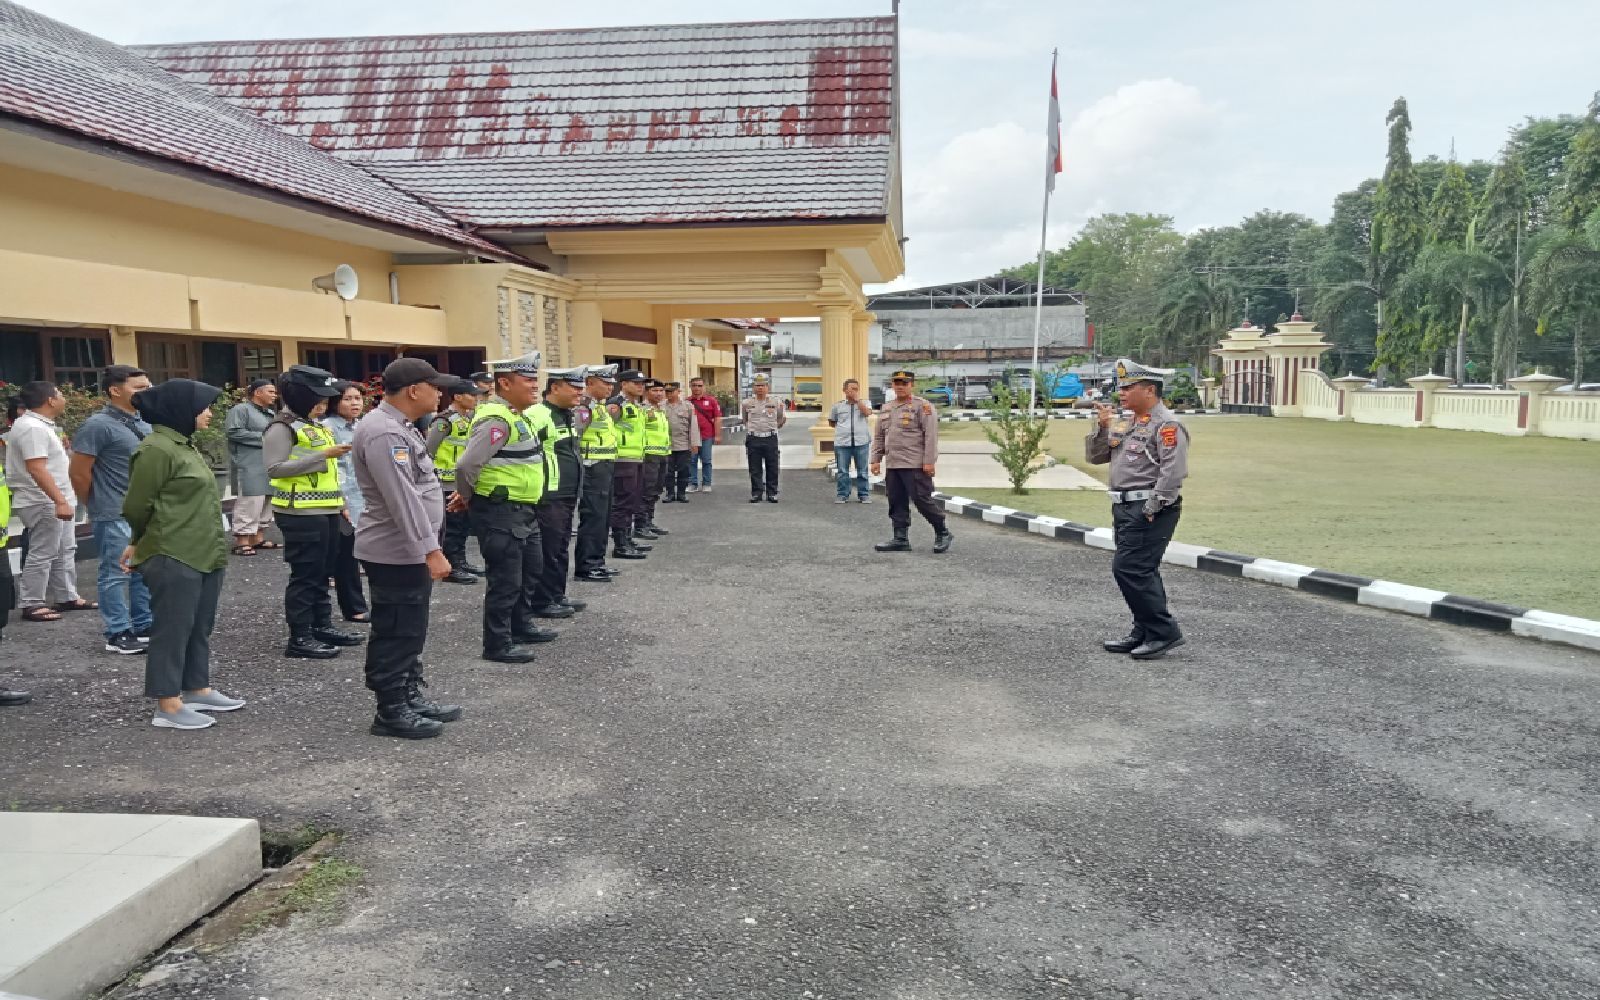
{"x":342,"y":282}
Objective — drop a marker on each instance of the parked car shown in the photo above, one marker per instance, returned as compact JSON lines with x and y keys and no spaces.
{"x":1585,"y":387}
{"x":941,"y":394}
{"x":807,"y":393}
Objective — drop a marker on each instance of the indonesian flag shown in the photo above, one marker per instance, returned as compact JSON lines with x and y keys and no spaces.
{"x":1052,"y":164}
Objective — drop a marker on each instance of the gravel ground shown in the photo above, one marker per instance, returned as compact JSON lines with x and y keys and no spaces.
{"x":771,"y":763}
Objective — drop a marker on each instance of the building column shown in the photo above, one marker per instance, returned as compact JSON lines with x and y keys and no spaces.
{"x":588,"y":333}
{"x":124,"y":346}
{"x":838,"y":362}
{"x":860,"y":356}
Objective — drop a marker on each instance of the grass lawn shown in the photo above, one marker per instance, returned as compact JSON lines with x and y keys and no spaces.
{"x":1506,"y":519}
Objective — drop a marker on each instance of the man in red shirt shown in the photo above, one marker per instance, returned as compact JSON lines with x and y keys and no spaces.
{"x":709,"y":413}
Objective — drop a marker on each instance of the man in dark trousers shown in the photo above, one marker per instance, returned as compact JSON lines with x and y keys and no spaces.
{"x":627,"y":410}
{"x":499,"y":480}
{"x":597,"y":448}
{"x":763,"y":416}
{"x":447,"y":439}
{"x":397,"y":541}
{"x":552,"y":420}
{"x":906,"y":441}
{"x":1149,"y":458}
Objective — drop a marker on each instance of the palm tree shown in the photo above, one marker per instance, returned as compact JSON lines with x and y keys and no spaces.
{"x":1194,"y":311}
{"x":1565,"y":282}
{"x":1444,"y":277}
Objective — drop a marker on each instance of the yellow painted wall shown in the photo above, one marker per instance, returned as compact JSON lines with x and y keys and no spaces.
{"x":469,"y":295}
{"x":60,"y":217}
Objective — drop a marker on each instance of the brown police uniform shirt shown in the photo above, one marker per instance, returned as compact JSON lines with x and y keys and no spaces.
{"x":1148,"y":453}
{"x":762,"y":416}
{"x":907,"y":435}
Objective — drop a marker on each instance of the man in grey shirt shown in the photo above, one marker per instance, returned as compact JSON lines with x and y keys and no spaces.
{"x":101,"y":451}
{"x":397,"y":541}
{"x":851,"y":420}
{"x":42,"y":498}
{"x":247,"y":421}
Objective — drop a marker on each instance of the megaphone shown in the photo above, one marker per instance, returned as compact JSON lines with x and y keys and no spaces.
{"x":342,"y":282}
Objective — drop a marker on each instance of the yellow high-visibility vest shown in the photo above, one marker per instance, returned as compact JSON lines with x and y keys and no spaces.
{"x":317,"y":491}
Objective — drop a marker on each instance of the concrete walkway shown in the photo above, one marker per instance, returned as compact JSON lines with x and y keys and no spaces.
{"x":769,"y":761}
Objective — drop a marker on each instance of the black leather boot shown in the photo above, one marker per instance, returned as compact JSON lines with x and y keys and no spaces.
{"x":306,"y":646}
{"x":337,"y":637}
{"x":1126,"y":644}
{"x":622,"y":546}
{"x":941,"y":540}
{"x":900,"y":543}
{"x":426,"y":707}
{"x":461,"y":576}
{"x":396,"y":717}
{"x":532,"y":634}
{"x":652,"y":526}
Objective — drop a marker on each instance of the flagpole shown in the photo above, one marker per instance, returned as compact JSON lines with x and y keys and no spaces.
{"x":1052,"y":128}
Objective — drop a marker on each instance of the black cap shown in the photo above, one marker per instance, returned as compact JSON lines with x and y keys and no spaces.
{"x":467,"y":387}
{"x":256,"y":385}
{"x":480,"y":377}
{"x":674,"y":385}
{"x":908,"y":375}
{"x":405,"y":372}
{"x":632,"y":375}
{"x":317,"y":380}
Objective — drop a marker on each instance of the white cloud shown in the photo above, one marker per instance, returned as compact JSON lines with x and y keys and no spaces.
{"x":925,"y":42}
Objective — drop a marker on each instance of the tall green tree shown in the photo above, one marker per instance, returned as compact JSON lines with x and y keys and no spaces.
{"x":1399,"y":230}
{"x":1564,"y":284}
{"x":1503,"y":230}
{"x":1450,"y":213}
{"x":1578,"y":195}
{"x":1341,"y":270}
{"x":1542,"y":146}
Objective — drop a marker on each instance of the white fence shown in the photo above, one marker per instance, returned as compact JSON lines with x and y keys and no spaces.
{"x":1570,"y":415}
{"x":1496,"y":411}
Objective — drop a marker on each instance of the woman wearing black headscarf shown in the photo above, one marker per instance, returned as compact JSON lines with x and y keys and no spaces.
{"x":181,"y":550}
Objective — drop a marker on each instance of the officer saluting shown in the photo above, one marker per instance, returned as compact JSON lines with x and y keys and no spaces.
{"x":499,"y":479}
{"x":907,"y":441}
{"x":397,"y":541}
{"x":447,"y":439}
{"x":1149,"y":459}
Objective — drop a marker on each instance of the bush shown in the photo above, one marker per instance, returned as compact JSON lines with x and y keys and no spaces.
{"x":1018,"y":434}
{"x":83,"y":403}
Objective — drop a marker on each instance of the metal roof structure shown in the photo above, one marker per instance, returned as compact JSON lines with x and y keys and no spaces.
{"x":73,"y":86}
{"x":998,"y":292}
{"x":783,"y":120}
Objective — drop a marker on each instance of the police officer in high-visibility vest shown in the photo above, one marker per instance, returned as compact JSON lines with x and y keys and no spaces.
{"x":8,"y":589}
{"x":627,"y":408}
{"x":447,"y":439}
{"x":500,"y":477}
{"x":597,"y":448}
{"x":657,"y":453}
{"x":302,"y":469}
{"x":552,"y":419}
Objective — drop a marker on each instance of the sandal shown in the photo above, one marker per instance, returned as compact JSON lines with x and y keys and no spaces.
{"x":41,"y":614}
{"x":268,"y":545}
{"x":79,"y":605}
{"x":244,"y":550}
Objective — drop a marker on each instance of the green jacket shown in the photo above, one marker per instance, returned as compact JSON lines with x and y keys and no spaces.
{"x":172,"y":503}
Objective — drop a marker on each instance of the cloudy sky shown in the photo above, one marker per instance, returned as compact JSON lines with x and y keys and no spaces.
{"x":1203,"y":111}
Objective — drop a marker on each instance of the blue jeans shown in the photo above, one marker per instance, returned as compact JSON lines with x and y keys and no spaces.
{"x":124,"y":599}
{"x":700,"y":463}
{"x":843,"y":455}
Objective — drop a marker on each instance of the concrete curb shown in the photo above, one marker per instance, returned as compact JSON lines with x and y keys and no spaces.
{"x":1386,"y":594}
{"x":986,"y":417}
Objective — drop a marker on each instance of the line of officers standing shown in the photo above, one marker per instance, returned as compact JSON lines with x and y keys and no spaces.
{"x":505,"y":463}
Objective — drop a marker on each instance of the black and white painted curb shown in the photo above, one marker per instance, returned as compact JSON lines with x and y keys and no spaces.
{"x":984,"y":416}
{"x":1386,"y":594}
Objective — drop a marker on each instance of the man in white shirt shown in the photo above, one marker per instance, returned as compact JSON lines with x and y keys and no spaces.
{"x":38,"y":473}
{"x":851,"y":420}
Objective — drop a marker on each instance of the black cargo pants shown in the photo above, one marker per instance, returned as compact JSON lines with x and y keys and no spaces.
{"x":400,"y":596}
{"x":1137,"y":567}
{"x":508,"y":537}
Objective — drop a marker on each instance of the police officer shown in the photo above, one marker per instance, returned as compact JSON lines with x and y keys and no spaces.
{"x":906,"y":440}
{"x":397,"y":541}
{"x":597,"y":447}
{"x":657,"y":453}
{"x":447,"y":439}
{"x":552,"y":420}
{"x":627,"y":409}
{"x":762,"y":417}
{"x":7,"y":588}
{"x":1149,"y":458}
{"x":302,"y":468}
{"x":499,"y":479}
{"x":484,"y":381}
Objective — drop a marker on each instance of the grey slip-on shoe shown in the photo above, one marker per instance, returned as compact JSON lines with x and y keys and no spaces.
{"x":183,"y":718}
{"x":216,"y":701}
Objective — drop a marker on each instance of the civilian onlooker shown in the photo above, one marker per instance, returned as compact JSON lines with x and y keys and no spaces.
{"x":41,"y":494}
{"x":347,"y":409}
{"x":851,"y":420}
{"x":247,"y":421}
{"x":180,"y":549}
{"x":683,"y":422}
{"x":8,"y":590}
{"x":710,"y":414}
{"x":98,"y":468}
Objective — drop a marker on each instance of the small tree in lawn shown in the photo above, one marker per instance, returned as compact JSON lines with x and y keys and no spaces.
{"x":1018,"y":434}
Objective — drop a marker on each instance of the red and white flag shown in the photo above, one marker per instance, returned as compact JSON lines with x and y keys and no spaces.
{"x":1052,"y":164}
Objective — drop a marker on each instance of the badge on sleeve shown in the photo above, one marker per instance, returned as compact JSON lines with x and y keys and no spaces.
{"x":498,"y":434}
{"x":1169,"y":436}
{"x":401,"y":455}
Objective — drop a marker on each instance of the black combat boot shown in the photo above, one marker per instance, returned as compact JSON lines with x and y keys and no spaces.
{"x":653,"y":526}
{"x":643,"y":532}
{"x":1126,"y":644}
{"x":622,"y":546}
{"x":900,"y":543}
{"x":305,"y":646}
{"x":337,"y":637}
{"x":942,"y":539}
{"x":461,"y":576}
{"x":530,"y":634}
{"x":396,"y":717}
{"x":427,"y":708}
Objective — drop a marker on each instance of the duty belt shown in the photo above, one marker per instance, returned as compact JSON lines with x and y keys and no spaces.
{"x":1129,"y":496}
{"x":762,"y":434}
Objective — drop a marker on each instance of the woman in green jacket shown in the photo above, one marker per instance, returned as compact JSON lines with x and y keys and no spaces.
{"x":181,"y":551}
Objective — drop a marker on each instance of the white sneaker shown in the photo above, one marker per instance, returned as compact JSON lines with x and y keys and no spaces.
{"x":216,"y":701}
{"x":866,"y":499}
{"x":694,"y":488}
{"x":841,"y":500}
{"x":183,"y":718}
{"x":706,"y":488}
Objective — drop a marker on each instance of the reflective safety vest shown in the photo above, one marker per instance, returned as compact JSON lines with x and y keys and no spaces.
{"x":518,"y":467}
{"x":317,"y":491}
{"x":449,"y":451}
{"x":657,"y":433}
{"x":550,"y":431}
{"x":5,"y":516}
{"x":630,"y":432}
{"x":599,"y":440}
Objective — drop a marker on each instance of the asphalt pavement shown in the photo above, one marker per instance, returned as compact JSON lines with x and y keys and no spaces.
{"x":769,"y":762}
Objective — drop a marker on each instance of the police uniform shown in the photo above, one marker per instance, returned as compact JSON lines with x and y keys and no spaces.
{"x":1149,"y":460}
{"x":905,"y":440}
{"x":563,"y":480}
{"x":762,"y":419}
{"x":597,"y":448}
{"x":627,"y":499}
{"x":502,"y":475}
{"x":447,"y":439}
{"x":307,"y":505}
{"x":657,"y":453}
{"x":7,"y":588}
{"x":398,"y":531}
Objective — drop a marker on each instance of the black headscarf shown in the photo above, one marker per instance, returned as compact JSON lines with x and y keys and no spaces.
{"x":176,"y":403}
